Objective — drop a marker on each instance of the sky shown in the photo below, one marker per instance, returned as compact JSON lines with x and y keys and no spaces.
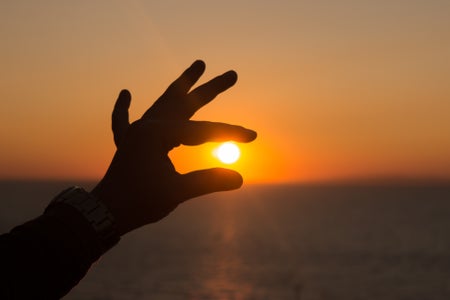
{"x":337,"y":90}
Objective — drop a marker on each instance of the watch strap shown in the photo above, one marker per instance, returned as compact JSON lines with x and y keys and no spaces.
{"x":93,"y":211}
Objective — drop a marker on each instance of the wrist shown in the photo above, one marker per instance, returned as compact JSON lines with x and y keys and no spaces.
{"x":109,"y":200}
{"x":92,"y":212}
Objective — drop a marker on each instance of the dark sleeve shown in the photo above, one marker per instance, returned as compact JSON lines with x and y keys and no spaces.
{"x":46,"y":257}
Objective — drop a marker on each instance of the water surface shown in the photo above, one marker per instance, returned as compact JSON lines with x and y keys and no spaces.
{"x":272,"y":242}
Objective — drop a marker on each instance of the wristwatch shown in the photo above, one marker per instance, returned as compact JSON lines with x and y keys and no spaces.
{"x":94,"y":211}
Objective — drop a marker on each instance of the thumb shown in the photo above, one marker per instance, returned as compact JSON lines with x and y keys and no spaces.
{"x":120,"y":122}
{"x":208,"y":181}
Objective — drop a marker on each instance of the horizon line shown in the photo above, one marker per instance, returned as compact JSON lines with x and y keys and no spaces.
{"x":363,"y":181}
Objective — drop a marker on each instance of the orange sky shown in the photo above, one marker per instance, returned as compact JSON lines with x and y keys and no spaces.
{"x":335,"y":89}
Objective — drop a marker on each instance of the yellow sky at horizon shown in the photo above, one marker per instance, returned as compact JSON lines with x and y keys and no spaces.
{"x":335,"y":89}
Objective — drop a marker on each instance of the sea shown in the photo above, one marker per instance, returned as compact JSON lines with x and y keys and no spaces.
{"x":271,"y":242}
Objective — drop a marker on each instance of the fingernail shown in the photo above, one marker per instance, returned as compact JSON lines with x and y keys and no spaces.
{"x":232,"y":179}
{"x":231,"y":75}
{"x":124,"y":93}
{"x":124,"y":99}
{"x":198,"y":63}
{"x":252,"y":134}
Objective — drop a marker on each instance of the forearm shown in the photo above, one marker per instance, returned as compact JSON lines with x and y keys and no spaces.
{"x":46,"y":257}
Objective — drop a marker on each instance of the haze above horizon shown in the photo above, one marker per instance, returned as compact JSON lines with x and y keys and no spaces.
{"x":337,"y":90}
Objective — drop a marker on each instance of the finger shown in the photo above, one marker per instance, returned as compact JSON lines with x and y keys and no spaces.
{"x":199,"y":132}
{"x":168,"y":104}
{"x":208,"y":181}
{"x":183,"y":84}
{"x":205,"y":93}
{"x":119,"y":117}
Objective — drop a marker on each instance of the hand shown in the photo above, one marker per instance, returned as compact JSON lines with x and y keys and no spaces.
{"x":141,"y":185}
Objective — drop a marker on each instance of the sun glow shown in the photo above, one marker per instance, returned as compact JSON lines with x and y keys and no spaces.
{"x":227,"y":153}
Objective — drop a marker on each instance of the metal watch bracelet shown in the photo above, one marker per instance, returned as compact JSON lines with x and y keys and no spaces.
{"x":93,"y":210}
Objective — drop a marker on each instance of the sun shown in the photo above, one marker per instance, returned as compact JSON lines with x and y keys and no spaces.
{"x":227,"y":153}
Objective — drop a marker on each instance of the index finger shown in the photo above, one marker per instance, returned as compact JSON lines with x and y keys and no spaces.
{"x":198,"y":132}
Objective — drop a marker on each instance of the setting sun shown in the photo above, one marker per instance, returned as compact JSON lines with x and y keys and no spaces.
{"x":227,"y":153}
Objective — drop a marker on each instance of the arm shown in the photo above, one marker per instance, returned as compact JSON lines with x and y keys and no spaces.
{"x":46,"y":257}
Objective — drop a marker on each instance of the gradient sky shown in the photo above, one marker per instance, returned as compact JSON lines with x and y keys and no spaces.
{"x":335,"y":89}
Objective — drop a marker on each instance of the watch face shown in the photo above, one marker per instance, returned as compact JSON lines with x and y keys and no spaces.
{"x":94,"y":211}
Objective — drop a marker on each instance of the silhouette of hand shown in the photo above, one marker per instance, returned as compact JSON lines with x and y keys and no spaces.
{"x":141,"y":185}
